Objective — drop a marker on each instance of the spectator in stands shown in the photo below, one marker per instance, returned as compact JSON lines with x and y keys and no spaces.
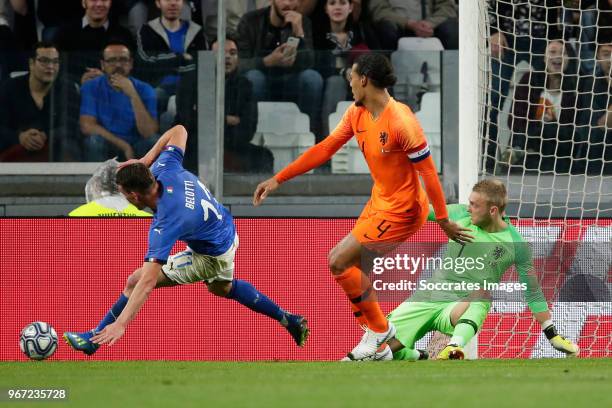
{"x":135,"y":13}
{"x":37,"y":114}
{"x":241,"y":119}
{"x":543,"y":118}
{"x":118,"y":112}
{"x":598,"y":15}
{"x":52,"y":14}
{"x":315,"y":10}
{"x":338,"y":43}
{"x":206,"y":11}
{"x":24,"y":23}
{"x":85,"y":38}
{"x":167,"y":45}
{"x":6,"y":21}
{"x":415,"y":18}
{"x":7,"y":39}
{"x":519,"y":32}
{"x":277,"y":68}
{"x":596,"y":101}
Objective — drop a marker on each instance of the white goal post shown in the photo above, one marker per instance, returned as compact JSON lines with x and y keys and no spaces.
{"x":565,"y":212}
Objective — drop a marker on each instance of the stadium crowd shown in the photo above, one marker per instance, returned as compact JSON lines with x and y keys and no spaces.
{"x":87,"y":80}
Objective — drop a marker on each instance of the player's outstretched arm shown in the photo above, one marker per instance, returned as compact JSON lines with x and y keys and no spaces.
{"x":114,"y":331}
{"x":310,"y":159}
{"x":176,"y":136}
{"x":263,"y":189}
{"x":536,"y":300}
{"x":429,"y":174}
{"x":556,"y":340}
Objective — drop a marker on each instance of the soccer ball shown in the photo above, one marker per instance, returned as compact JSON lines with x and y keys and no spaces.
{"x":38,"y":340}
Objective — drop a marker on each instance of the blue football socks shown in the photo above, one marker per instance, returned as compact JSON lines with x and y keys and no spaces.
{"x":246,"y":294}
{"x":113,"y":313}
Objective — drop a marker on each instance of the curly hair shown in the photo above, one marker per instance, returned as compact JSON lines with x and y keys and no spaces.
{"x":377,"y":68}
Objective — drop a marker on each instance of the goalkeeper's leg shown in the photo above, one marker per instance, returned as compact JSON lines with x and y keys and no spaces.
{"x":404,"y":353}
{"x":461,"y":320}
{"x":412,"y":321}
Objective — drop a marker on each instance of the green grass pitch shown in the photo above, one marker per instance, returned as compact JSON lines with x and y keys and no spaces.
{"x":482,"y":383}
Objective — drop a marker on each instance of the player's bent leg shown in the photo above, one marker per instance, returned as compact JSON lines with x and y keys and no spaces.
{"x":217,"y":272}
{"x":467,"y":318}
{"x":339,"y":257}
{"x":345,"y":254}
{"x":219,"y":288}
{"x":457,"y":311}
{"x":247,"y":295}
{"x":343,"y":263}
{"x":412,"y":320}
{"x":404,"y":353}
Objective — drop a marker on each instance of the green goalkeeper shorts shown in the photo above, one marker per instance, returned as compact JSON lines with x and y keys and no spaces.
{"x":413,"y":320}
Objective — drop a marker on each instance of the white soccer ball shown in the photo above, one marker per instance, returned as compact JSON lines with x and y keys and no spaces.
{"x":38,"y":340}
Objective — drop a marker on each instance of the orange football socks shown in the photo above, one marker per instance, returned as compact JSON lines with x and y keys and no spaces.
{"x":363,"y":298}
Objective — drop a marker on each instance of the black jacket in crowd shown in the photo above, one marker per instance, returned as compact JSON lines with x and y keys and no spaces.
{"x":155,"y":57}
{"x":257,"y":38}
{"x":58,"y":119}
{"x":240,"y":101}
{"x":82,"y":46}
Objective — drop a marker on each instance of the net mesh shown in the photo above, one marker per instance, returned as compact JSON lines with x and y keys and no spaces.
{"x":543,"y":98}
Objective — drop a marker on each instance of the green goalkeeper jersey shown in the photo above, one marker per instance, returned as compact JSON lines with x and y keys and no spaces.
{"x":480,"y":264}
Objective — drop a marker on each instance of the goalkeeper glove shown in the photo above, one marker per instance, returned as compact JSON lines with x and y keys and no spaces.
{"x":559,"y":342}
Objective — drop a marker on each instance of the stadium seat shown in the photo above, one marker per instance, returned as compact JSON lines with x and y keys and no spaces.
{"x":283,"y":129}
{"x":420,"y":44}
{"x":281,"y":117}
{"x":430,"y":118}
{"x":342,"y":106}
{"x":504,"y":133}
{"x":349,"y":158}
{"x":172,"y":105}
{"x":166,"y":119}
{"x":409,"y":68}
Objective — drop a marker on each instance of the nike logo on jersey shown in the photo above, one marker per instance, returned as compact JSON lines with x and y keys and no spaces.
{"x":160,"y":164}
{"x":361,"y":131}
{"x":158,"y":230}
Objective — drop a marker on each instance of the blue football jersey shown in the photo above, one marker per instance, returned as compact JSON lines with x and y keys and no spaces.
{"x":186,"y":211}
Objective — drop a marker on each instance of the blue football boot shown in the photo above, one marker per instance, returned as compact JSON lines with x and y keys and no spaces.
{"x":81,"y":341}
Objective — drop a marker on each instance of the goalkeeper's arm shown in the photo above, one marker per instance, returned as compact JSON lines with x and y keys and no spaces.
{"x":558,"y":342}
{"x":537,"y":303}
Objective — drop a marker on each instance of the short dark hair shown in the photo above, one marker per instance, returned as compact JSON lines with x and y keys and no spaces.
{"x":229,"y":36}
{"x":135,"y":177}
{"x":41,"y":44}
{"x":115,"y":41}
{"x":377,"y":68}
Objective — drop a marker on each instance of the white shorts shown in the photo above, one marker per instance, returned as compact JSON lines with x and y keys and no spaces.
{"x":190,"y":267}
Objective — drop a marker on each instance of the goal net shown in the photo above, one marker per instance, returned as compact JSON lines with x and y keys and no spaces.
{"x":543,"y":99}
